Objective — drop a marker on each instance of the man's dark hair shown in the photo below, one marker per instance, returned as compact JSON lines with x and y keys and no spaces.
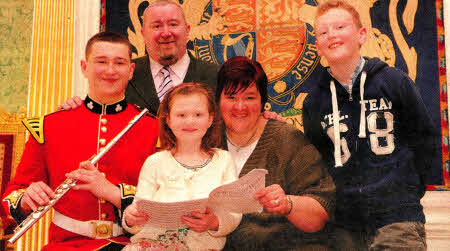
{"x":107,"y":36}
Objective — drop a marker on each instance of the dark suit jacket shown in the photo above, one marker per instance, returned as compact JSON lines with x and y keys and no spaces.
{"x":141,"y":88}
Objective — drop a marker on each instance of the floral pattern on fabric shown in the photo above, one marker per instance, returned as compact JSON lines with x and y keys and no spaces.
{"x":171,"y":240}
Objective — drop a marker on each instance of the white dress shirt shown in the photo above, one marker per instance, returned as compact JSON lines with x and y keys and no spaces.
{"x":177,"y":71}
{"x":240,"y":155}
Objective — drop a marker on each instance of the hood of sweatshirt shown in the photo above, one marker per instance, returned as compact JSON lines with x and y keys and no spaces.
{"x":371,"y":67}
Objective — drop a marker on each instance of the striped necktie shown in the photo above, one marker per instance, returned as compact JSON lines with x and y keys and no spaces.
{"x":166,"y":84}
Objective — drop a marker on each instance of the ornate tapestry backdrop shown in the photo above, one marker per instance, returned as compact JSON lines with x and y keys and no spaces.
{"x":279,"y":34}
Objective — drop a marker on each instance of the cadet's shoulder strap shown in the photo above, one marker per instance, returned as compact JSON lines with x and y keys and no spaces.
{"x":36,"y":128}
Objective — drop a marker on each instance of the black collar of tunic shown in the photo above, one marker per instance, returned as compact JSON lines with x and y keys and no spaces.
{"x":103,"y":109}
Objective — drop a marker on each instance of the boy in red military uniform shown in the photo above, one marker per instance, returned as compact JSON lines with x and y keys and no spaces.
{"x":88,"y":216}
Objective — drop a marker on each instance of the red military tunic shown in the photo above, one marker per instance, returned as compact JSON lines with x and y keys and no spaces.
{"x":70,"y":137}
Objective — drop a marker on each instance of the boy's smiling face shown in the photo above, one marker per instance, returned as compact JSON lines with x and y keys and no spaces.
{"x":338,"y":38}
{"x":108,"y":69}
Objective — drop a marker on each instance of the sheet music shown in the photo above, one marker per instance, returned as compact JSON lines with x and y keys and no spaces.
{"x":167,"y":215}
{"x":237,"y":196}
{"x":234,"y":197}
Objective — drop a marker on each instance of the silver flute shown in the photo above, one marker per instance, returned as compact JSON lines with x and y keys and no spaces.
{"x":67,"y":184}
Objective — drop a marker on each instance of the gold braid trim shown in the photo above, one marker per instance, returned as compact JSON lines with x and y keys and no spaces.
{"x":14,"y":198}
{"x":36,"y":128}
{"x":127,"y":191}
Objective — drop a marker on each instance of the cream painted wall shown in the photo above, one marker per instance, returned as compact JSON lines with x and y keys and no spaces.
{"x":87,"y":23}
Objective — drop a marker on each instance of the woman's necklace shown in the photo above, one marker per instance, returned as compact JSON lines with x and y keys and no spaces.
{"x":247,"y":143}
{"x":194,"y":167}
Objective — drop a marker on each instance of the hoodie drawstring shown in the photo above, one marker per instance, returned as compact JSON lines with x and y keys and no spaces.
{"x":362,"y":120}
{"x":336,"y":129}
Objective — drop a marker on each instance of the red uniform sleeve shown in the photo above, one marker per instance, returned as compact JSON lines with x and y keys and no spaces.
{"x":31,"y":169}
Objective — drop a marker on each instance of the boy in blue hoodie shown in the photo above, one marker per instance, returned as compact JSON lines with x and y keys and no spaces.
{"x":371,"y":126}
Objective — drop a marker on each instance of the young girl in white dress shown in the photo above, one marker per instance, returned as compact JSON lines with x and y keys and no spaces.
{"x":188,"y":167}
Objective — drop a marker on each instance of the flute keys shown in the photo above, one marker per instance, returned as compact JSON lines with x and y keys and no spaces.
{"x":69,"y":182}
{"x":37,"y":215}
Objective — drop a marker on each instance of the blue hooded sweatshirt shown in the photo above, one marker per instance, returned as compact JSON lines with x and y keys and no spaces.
{"x":386,"y":145}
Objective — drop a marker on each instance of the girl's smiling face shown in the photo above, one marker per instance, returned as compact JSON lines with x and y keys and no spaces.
{"x":189,"y":118}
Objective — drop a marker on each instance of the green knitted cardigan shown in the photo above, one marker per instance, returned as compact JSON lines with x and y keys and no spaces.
{"x":294,"y":164}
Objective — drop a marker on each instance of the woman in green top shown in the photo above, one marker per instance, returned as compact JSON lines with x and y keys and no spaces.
{"x":299,"y":197}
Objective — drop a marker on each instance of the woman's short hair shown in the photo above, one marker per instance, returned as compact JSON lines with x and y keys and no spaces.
{"x":237,"y":74}
{"x":212,"y":137}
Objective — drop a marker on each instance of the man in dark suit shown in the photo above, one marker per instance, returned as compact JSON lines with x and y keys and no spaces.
{"x":165,"y":33}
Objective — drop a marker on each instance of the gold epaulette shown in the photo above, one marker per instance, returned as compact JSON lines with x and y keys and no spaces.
{"x":36,"y":128}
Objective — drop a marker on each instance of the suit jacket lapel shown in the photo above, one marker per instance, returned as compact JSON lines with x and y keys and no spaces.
{"x":145,"y":86}
{"x":191,"y":72}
